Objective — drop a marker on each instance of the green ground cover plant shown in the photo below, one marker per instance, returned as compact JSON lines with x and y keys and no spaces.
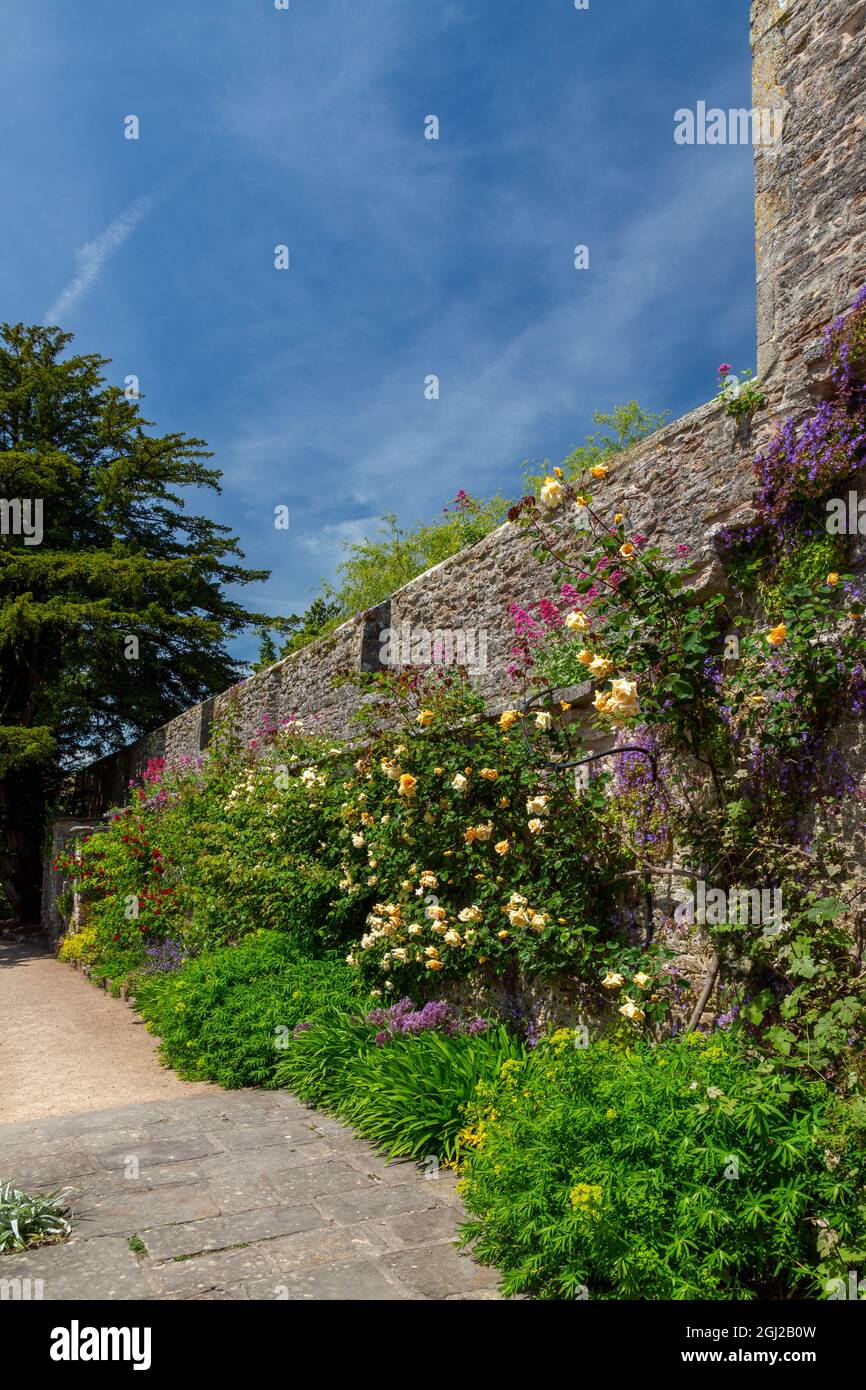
{"x":229,"y":1015}
{"x":686,"y":1170}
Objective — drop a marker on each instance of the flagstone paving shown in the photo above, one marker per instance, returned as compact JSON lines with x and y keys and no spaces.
{"x":229,"y":1194}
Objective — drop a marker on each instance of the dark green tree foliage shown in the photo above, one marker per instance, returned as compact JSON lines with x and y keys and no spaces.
{"x":118,"y":558}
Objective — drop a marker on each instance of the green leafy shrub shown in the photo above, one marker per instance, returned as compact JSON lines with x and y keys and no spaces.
{"x":27,"y":1221}
{"x":407,"y":1094}
{"x":683,"y":1171}
{"x":228,"y":1016}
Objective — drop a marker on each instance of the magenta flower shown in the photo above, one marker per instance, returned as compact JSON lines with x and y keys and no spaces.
{"x":724,"y":369}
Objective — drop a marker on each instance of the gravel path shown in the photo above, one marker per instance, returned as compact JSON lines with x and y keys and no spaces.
{"x":67,"y":1047}
{"x":224,"y":1194}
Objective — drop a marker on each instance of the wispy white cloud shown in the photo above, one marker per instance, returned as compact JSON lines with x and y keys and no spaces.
{"x":93,"y":255}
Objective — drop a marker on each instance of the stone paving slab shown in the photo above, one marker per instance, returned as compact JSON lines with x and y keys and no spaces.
{"x":238,"y":1195}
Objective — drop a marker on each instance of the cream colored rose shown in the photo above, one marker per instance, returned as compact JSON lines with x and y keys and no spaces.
{"x":551,"y":494}
{"x":502,"y":847}
{"x":459,"y":782}
{"x":576,"y":621}
{"x":453,"y":938}
{"x":600,"y":667}
{"x":543,"y":720}
{"x":631,"y":1011}
{"x":537,"y":805}
{"x":535,"y":826}
{"x":470,"y":914}
{"x":642,"y":979}
{"x":507,"y":718}
{"x":612,"y":980}
{"x":483,"y":832}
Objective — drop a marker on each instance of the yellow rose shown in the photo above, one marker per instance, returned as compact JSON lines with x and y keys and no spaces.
{"x":506,"y":719}
{"x":425,"y":717}
{"x":408,"y":784}
{"x":642,"y":979}
{"x":503,"y":935}
{"x":618,"y":519}
{"x":600,"y":667}
{"x":586,"y":658}
{"x":489,"y":774}
{"x":777,"y":635}
{"x":502,"y":848}
{"x":612,"y":980}
{"x":535,"y":826}
{"x":483,"y":832}
{"x":543,"y":720}
{"x":453,"y":938}
{"x":551,"y":494}
{"x":459,"y":783}
{"x":434,"y":964}
{"x":470,"y":835}
{"x":581,"y":501}
{"x":601,"y":470}
{"x":537,"y":805}
{"x":833,"y":579}
{"x":627,"y":551}
{"x":624,"y":701}
{"x":576,"y":622}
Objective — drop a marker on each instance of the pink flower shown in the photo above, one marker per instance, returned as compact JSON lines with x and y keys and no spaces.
{"x":683,"y":549}
{"x":724,"y":369}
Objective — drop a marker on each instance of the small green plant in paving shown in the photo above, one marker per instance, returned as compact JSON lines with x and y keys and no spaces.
{"x":137,"y":1245}
{"x":31,"y":1220}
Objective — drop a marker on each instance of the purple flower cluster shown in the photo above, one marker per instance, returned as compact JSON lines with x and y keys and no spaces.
{"x":846,"y":332}
{"x":404,"y":1019}
{"x":801,"y":463}
{"x":164,"y":957}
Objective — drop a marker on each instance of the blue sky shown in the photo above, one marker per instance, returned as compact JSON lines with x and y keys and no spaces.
{"x":409,"y":257}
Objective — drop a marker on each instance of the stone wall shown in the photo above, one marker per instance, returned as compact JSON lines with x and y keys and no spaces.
{"x":680,"y":485}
